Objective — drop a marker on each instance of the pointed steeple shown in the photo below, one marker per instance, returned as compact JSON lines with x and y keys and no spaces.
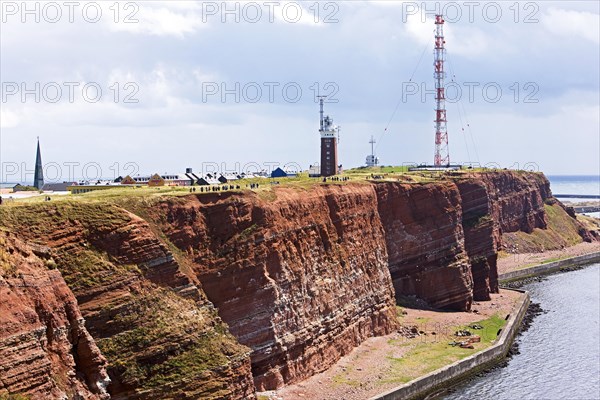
{"x":38,"y":178}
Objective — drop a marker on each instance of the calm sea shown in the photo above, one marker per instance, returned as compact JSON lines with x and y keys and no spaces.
{"x":577,"y":184}
{"x":560,"y":354}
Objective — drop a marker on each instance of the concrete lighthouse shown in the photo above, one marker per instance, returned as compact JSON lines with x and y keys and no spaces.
{"x":329,"y":140}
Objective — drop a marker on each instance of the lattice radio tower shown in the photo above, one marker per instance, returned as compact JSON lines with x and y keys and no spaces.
{"x":442,"y":154}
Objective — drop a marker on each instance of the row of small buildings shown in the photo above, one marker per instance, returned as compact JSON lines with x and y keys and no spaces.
{"x":189,"y":178}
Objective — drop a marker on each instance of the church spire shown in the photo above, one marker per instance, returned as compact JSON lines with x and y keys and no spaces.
{"x":38,"y":179}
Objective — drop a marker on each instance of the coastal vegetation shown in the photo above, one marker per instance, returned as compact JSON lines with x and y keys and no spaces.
{"x":429,"y":351}
{"x":562,"y":231}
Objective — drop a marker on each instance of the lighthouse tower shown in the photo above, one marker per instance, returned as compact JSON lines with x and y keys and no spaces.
{"x":329,"y":140}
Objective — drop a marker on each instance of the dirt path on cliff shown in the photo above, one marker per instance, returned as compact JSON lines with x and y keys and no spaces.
{"x":369,"y":369}
{"x":513,"y":262}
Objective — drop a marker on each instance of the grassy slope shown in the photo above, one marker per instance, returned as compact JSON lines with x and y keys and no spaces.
{"x":166,"y":324}
{"x":432,"y":353}
{"x":82,"y":267}
{"x":163,"y":341}
{"x":302,"y":181}
{"x":562,"y":232}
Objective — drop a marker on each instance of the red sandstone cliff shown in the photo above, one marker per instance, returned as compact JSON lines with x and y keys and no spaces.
{"x":160,"y":335}
{"x":301,"y":279}
{"x":493,"y":204}
{"x":425,"y":242}
{"x":300,"y":276}
{"x":45,"y":349}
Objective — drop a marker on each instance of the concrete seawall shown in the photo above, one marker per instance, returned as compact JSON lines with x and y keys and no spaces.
{"x":549,"y":268}
{"x":445,"y":376}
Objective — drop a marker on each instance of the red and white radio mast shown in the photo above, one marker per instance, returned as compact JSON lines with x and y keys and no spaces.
{"x":442,"y":154}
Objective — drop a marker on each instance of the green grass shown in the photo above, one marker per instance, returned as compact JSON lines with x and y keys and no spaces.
{"x":342,"y":379}
{"x":265,"y":191}
{"x":84,"y":269}
{"x":590,"y":223}
{"x":107,"y":195}
{"x":44,"y":218}
{"x":562,"y":231}
{"x":546,"y":261}
{"x":161,"y":326}
{"x":302,"y":181}
{"x":83,"y":266}
{"x":377,"y":170}
{"x":399,"y":312}
{"x":423,"y":356}
{"x":7,"y":396}
{"x":478,"y":221}
{"x":25,"y":188}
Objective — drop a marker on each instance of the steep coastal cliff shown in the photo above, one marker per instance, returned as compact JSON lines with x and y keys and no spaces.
{"x":494,"y":204}
{"x":160,"y":335}
{"x":217,"y":295}
{"x":45,"y":349}
{"x":301,"y":279}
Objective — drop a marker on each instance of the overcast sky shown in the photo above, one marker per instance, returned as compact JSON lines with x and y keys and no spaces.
{"x":187,"y":84}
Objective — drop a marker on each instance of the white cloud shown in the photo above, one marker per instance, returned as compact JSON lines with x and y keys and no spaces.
{"x":292,"y":12}
{"x":368,"y":55}
{"x":420,"y":31}
{"x":468,"y":41}
{"x":160,"y":19}
{"x":8,"y":118}
{"x":582,"y":24}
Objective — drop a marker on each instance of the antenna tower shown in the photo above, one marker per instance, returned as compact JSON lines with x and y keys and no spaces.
{"x":442,"y":154}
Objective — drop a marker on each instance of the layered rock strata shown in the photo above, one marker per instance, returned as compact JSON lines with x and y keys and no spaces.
{"x":218,"y":294}
{"x":45,"y":349}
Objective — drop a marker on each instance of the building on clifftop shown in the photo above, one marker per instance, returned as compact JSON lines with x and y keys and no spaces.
{"x":329,"y":141}
{"x":38,"y":178}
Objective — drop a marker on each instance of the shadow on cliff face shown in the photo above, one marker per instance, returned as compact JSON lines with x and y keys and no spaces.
{"x":425,"y":243}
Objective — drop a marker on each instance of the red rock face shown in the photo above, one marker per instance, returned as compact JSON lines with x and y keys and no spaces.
{"x":300,"y":276}
{"x":516,"y":199}
{"x":301,"y":279}
{"x":160,"y":335}
{"x":495,"y":203}
{"x":45,"y":349}
{"x":425,"y":243}
{"x":482,"y":236}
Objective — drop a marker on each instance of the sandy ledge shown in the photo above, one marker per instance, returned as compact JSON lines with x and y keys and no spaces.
{"x":513,"y":262}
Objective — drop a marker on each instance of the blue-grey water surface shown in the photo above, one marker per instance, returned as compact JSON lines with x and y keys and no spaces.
{"x":560,"y":354}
